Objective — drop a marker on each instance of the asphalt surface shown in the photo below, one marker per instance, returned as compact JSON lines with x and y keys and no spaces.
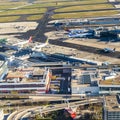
{"x":39,"y":32}
{"x":89,"y":49}
{"x":19,"y":114}
{"x":39,"y":35}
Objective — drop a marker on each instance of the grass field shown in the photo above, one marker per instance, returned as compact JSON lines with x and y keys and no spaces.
{"x":79,"y":2}
{"x":40,"y":7}
{"x":9,"y":19}
{"x":72,"y":0}
{"x":84,"y":14}
{"x":23,"y":11}
{"x":85,"y":7}
{"x":61,"y":3}
{"x":34,"y":17}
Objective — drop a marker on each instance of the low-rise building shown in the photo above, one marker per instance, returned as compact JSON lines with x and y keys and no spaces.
{"x":1,"y":114}
{"x":109,"y":86}
{"x":86,"y":89}
{"x":111,"y":108}
{"x":85,"y":83}
{"x":23,"y":81}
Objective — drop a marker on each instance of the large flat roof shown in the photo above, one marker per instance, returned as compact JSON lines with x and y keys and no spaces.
{"x":111,"y":103}
{"x":16,"y":74}
{"x":76,"y":84}
{"x":21,"y":73}
{"x":112,"y":81}
{"x":1,"y":62}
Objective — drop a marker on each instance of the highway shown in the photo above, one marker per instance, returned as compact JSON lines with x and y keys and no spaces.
{"x":22,"y":114}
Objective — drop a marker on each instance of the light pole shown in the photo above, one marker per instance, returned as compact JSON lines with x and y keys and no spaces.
{"x":63,"y":84}
{"x":41,"y":111}
{"x":9,"y":106}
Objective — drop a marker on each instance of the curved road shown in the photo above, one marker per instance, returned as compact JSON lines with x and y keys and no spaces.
{"x":23,"y":114}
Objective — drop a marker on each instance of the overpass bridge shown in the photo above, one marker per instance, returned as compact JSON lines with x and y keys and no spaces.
{"x":21,"y":114}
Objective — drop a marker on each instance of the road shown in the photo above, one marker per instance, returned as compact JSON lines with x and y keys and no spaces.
{"x":23,"y":114}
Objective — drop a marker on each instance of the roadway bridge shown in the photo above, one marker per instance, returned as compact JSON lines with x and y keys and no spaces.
{"x":21,"y":114}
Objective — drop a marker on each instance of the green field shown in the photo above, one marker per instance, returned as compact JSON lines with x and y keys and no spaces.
{"x":34,"y":17}
{"x":84,"y":14}
{"x":41,"y":5}
{"x":79,"y":2}
{"x":72,"y":1}
{"x":36,"y":10}
{"x":61,"y":3}
{"x":23,"y":11}
{"x":9,"y":19}
{"x":84,"y":7}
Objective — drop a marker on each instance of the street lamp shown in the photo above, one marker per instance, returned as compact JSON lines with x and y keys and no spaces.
{"x":63,"y":84}
{"x":41,"y":111}
{"x":9,"y":106}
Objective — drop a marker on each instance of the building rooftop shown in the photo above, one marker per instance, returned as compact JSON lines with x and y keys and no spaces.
{"x":24,"y":72}
{"x":15,"y":74}
{"x":38,"y":71}
{"x":111,"y":103}
{"x":110,"y":81}
{"x":76,"y":84}
{"x":1,"y":63}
